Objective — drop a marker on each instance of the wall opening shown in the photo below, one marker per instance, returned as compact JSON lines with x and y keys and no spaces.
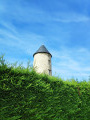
{"x":49,"y":72}
{"x":49,"y":62}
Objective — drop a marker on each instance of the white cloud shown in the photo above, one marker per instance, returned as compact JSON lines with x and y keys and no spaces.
{"x":23,"y":13}
{"x":8,"y":26}
{"x":70,"y":17}
{"x":84,"y":51}
{"x":33,"y":13}
{"x":27,"y":41}
{"x":67,"y":66}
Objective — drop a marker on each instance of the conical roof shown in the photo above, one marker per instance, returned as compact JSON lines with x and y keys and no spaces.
{"x":42,"y":49}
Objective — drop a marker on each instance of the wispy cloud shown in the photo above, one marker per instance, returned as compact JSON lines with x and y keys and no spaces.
{"x":30,"y":13}
{"x":71,"y":17}
{"x":65,"y":63}
{"x":23,"y":13}
{"x":25,"y":41}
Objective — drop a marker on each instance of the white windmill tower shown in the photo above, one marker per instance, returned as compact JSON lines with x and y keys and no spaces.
{"x":42,"y":61}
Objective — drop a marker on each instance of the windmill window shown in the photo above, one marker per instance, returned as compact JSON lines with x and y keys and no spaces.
{"x":49,"y":62}
{"x":49,"y":72}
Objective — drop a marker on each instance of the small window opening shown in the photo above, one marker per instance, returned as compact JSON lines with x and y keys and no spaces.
{"x":49,"y":72}
{"x":49,"y":62}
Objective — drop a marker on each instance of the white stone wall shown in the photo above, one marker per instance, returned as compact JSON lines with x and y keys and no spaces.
{"x":42,"y":63}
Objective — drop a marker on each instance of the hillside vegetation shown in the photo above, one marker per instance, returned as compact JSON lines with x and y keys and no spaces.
{"x":26,"y":95}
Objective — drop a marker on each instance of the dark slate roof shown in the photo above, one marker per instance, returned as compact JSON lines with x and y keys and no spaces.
{"x":42,"y":49}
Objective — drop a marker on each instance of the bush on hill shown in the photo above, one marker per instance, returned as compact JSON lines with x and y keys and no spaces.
{"x":26,"y":95}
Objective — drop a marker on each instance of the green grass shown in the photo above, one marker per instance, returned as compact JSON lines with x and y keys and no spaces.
{"x":26,"y":95}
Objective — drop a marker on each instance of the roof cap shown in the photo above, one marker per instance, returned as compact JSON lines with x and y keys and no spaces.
{"x":42,"y":49}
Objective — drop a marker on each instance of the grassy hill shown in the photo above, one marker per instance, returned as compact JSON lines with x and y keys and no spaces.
{"x":26,"y":95}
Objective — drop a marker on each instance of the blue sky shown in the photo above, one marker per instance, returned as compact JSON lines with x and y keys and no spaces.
{"x":63,"y":26}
